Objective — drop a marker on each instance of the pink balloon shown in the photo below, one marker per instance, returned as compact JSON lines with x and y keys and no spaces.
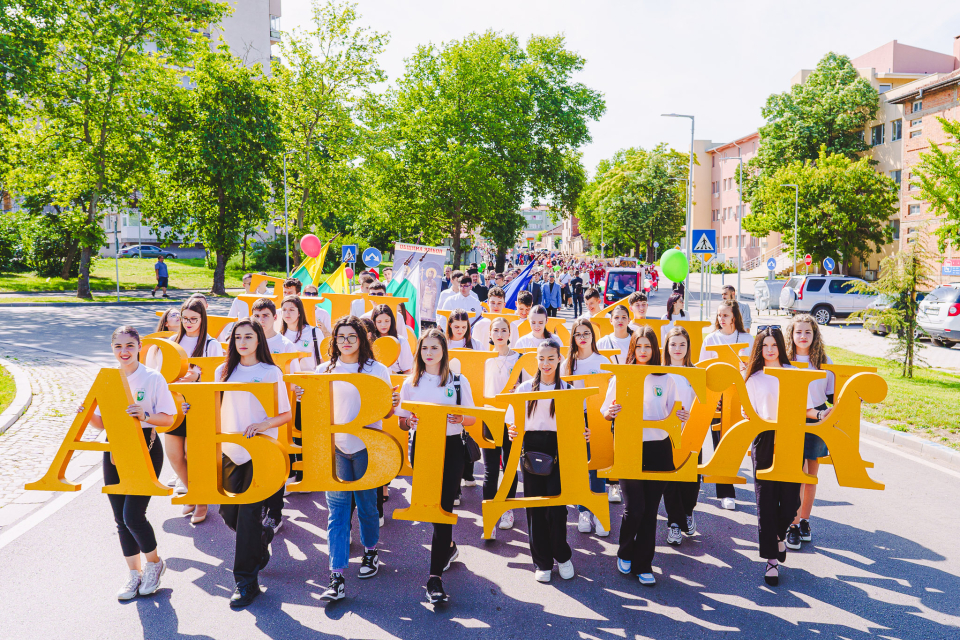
{"x":349,"y":272}
{"x":311,"y":245}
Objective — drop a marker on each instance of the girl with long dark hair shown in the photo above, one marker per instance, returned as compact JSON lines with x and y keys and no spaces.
{"x":620,"y":338}
{"x":459,"y":331}
{"x":386,"y":324}
{"x":538,"y":329}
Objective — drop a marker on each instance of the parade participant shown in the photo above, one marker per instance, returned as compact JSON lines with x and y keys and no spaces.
{"x":479,"y":290}
{"x":291,"y":287}
{"x":576,"y":291}
{"x":239,"y":308}
{"x":777,"y":502}
{"x":452,"y":290}
{"x":674,"y":312}
{"x":638,"y":526}
{"x":538,"y":329}
{"x":357,"y":307}
{"x":294,"y":327}
{"x":351,"y":352}
{"x":169,"y":321}
{"x":153,"y":406}
{"x":445,"y":281}
{"x":497,"y":373}
{"x":638,"y":306}
{"x":321,"y":316}
{"x":459,"y":332}
{"x":730,"y":293}
{"x":584,"y":358}
{"x":805,"y":344}
{"x":551,"y":296}
{"x":546,"y":526}
{"x":248,"y":360}
{"x":680,"y":498}
{"x":728,"y":329}
{"x":463,"y":298}
{"x":592,"y":299}
{"x":620,"y":338}
{"x":386,"y":324}
{"x":535,"y":287}
{"x":432,"y":381}
{"x":524,"y":304}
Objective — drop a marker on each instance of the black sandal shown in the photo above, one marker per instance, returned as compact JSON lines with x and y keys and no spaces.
{"x":772,"y":580}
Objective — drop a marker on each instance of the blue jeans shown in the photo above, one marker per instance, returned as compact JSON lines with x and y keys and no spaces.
{"x":351,"y":467}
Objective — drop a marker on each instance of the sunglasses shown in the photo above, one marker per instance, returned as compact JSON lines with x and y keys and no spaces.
{"x":772,"y":327}
{"x":310,"y":294}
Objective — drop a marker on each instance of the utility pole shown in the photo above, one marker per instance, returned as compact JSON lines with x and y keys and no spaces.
{"x":689,"y":229}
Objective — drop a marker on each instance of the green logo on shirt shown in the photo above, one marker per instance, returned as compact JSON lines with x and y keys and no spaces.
{"x":449,"y":392}
{"x":306,"y":343}
{"x":141,"y":394}
{"x":659,"y":391}
{"x":258,"y":379}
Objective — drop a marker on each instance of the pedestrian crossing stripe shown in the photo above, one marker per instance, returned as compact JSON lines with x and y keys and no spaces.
{"x":704,"y":245}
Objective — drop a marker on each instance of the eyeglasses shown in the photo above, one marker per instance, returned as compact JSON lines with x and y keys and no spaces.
{"x":187,"y":320}
{"x":584,"y":336}
{"x":772,"y":327}
{"x":350,"y":339}
{"x":310,"y":294}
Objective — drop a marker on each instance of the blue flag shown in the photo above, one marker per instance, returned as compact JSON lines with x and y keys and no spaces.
{"x":517,"y":285}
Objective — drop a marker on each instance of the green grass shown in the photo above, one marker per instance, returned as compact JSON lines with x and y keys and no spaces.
{"x":925,"y":404}
{"x":134,"y":274}
{"x":97,"y":297}
{"x":7,"y":389}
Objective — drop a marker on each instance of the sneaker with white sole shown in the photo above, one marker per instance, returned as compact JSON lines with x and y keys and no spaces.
{"x":542,"y":575}
{"x":469,"y":483}
{"x":456,"y":502}
{"x":152,"y":572}
{"x":613,"y":493}
{"x":728,"y":503}
{"x":337,"y":589}
{"x":806,"y":535}
{"x":601,"y":532}
{"x":691,"y":525}
{"x":648,"y":579}
{"x":585,"y":523}
{"x":674,"y":536}
{"x":506,"y":520}
{"x":381,"y":521}
{"x":172,"y":482}
{"x":623,"y":566}
{"x":370,"y":564}
{"x":131,"y":587}
{"x":454,"y":554}
{"x":435,"y":592}
{"x":566,"y":569}
{"x":179,"y":488}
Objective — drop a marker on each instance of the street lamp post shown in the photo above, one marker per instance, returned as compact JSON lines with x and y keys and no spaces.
{"x":739,"y":218}
{"x":286,"y":223}
{"x":796,"y":215}
{"x":689,"y":234}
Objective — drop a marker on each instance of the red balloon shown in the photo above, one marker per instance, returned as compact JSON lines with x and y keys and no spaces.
{"x":349,"y":272}
{"x":311,"y":245}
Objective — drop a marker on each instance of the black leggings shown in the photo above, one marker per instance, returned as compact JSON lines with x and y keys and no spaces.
{"x":491,"y":468}
{"x":546,"y":526}
{"x":130,"y":512}
{"x":680,"y":498}
{"x":777,"y":502}
{"x":453,"y":458}
{"x":641,"y":501}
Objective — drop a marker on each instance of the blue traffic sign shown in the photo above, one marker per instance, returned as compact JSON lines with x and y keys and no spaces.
{"x":771,"y":264}
{"x":372,"y":256}
{"x":829,"y":264}
{"x":348,"y":253}
{"x":704,"y":241}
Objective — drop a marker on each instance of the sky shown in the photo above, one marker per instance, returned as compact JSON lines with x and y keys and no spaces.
{"x":716,"y":60}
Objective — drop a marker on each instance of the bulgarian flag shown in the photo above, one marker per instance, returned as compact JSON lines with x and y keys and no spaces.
{"x":405,"y":286}
{"x":336,"y":283}
{"x":311,"y":269}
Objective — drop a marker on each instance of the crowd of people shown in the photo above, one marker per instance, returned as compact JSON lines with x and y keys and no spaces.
{"x":261,"y":331}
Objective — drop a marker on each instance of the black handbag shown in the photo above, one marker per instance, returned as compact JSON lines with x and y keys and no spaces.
{"x":471,"y":448}
{"x":537,"y":463}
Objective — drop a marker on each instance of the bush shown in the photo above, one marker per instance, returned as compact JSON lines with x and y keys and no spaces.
{"x":44,"y":243}
{"x":11,"y":251}
{"x":267,"y":256}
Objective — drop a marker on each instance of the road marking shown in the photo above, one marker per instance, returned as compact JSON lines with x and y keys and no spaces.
{"x":904,"y":454}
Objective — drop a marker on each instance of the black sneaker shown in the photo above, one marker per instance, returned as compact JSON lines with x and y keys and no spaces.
{"x":337,"y":589}
{"x":243,"y":595}
{"x":435,"y":592}
{"x":266,"y":537}
{"x":454,"y":554}
{"x":370,"y":564}
{"x":805,"y":534}
{"x":793,"y":537}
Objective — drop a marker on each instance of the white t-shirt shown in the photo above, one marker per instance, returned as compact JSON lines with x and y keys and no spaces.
{"x":305,"y":344}
{"x":358,"y":307}
{"x":587,"y":366}
{"x":497,"y":372}
{"x":541,"y":419}
{"x":685,"y":393}
{"x":240,"y":409}
{"x":405,"y":360}
{"x":530,"y":341}
{"x":665,"y":329}
{"x":659,"y":395}
{"x":459,"y":344}
{"x":611,"y":341}
{"x":346,"y":401}
{"x":149,"y":391}
{"x":481,"y":333}
{"x":718,"y":338}
{"x":322,"y":318}
{"x":430,"y":390}
{"x":211,"y":349}
{"x":239,"y":309}
{"x":470,"y":304}
{"x":763,"y":391}
{"x":818,"y":390}
{"x":279,"y":344}
{"x":515,"y":331}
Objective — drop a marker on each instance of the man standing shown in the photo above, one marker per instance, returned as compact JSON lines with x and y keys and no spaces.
{"x":551,"y":297}
{"x":576,"y":291}
{"x":464,"y":299}
{"x":478,"y":289}
{"x":445,"y":281}
{"x":160,"y":269}
{"x":730,"y":293}
{"x":564,"y":282}
{"x":535,"y":289}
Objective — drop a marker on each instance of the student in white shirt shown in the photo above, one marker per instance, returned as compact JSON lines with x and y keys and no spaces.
{"x":728,"y":329}
{"x":350,"y":353}
{"x":386,"y":325}
{"x":638,"y":527}
{"x":169,"y":321}
{"x":459,"y":332}
{"x":777,"y":502}
{"x":452,"y":290}
{"x":583,"y":359}
{"x":674,"y":312}
{"x":193,"y":337}
{"x":546,"y":526}
{"x":239,"y":308}
{"x":680,"y":498}
{"x":154,"y":407}
{"x":620,"y":338}
{"x":432,"y":381}
{"x":464,"y":298}
{"x":322,"y":318}
{"x":538,"y":329}
{"x":524,"y":304}
{"x":805,"y":344}
{"x":248,"y":360}
{"x":592,"y":299}
{"x":638,"y":306}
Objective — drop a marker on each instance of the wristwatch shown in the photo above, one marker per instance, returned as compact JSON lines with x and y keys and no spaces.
{"x":146,"y":415}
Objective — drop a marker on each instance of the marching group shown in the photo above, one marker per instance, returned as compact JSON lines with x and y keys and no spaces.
{"x":432,"y":375}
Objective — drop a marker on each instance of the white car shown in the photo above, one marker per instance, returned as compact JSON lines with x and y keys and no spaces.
{"x":939,"y":314}
{"x":823,"y":297}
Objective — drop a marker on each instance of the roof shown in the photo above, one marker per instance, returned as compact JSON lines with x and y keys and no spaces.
{"x":726,"y":145}
{"x":937,"y":83}
{"x":556,"y":231}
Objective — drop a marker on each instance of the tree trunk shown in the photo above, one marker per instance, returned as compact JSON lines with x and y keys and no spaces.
{"x":68,"y":260}
{"x":501,"y":259}
{"x":219,"y":275}
{"x":243,"y":253}
{"x":83,"y":282}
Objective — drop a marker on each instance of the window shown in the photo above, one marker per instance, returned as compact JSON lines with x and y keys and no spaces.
{"x":860,"y":135}
{"x":914,"y":210}
{"x":884,"y":87}
{"x":814,"y":285}
{"x":840,"y":286}
{"x":916,"y":134}
{"x":917,"y":106}
{"x":896,"y":130}
{"x":713,"y":160}
{"x":896,"y":229}
{"x":916,"y":123}
{"x":913,"y":187}
{"x":895,"y":175}
{"x":876,"y":135}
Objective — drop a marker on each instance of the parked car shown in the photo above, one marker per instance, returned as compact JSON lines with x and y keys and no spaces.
{"x":940,"y":315}
{"x":620,"y":283}
{"x":823,"y":297}
{"x":148,"y":251}
{"x":871,"y":315}
{"x":766,"y":294}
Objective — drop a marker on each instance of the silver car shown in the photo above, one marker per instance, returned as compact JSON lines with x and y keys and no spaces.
{"x":939,"y":314}
{"x":823,"y":297}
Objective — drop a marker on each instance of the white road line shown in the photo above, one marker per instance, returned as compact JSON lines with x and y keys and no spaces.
{"x":904,"y":454}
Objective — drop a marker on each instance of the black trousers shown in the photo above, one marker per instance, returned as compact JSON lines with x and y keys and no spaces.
{"x":641,"y":501}
{"x":454,"y":456}
{"x":130,"y":512}
{"x":491,"y":468}
{"x":546,"y":526}
{"x":296,"y":457}
{"x":577,"y":305}
{"x":777,"y":502}
{"x":551,"y":312}
{"x":247,"y":521}
{"x":680,"y":499}
{"x":723,"y":490}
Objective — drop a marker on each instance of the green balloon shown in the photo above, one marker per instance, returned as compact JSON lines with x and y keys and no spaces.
{"x":674,"y":265}
{"x":556,"y":268}
{"x":483,"y":267}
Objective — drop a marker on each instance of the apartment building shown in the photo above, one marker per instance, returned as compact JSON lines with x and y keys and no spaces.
{"x":537,"y":221}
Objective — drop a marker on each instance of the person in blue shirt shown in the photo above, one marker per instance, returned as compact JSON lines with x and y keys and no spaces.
{"x":534,"y":287}
{"x":162,"y":277}
{"x":551,"y":296}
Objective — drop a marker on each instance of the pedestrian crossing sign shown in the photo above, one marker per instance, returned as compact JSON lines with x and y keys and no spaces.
{"x":704,"y":241}
{"x":348,"y":253}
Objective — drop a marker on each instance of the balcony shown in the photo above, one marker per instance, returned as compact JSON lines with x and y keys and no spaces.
{"x":274,"y":35}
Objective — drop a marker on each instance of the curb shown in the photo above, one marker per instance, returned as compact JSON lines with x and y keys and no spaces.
{"x":21,"y":401}
{"x":88,"y":304}
{"x":923,"y":447}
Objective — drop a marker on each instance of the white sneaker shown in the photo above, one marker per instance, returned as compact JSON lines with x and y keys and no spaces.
{"x":674,"y":536}
{"x":542,"y":575}
{"x":601,"y":532}
{"x":691,"y":525}
{"x":648,"y":579}
{"x":469,"y":483}
{"x":381,"y":521}
{"x":456,"y":501}
{"x":180,"y":488}
{"x":566,"y":569}
{"x":586,"y":520}
{"x":506,"y":520}
{"x":613,"y":493}
{"x":172,"y":482}
{"x":130,"y":588}
{"x":152,"y":572}
{"x":728,"y":503}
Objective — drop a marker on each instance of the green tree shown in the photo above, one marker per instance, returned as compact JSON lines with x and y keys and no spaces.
{"x":844,"y":211}
{"x":221,"y":137}
{"x":86,"y":132}
{"x":939,"y":173}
